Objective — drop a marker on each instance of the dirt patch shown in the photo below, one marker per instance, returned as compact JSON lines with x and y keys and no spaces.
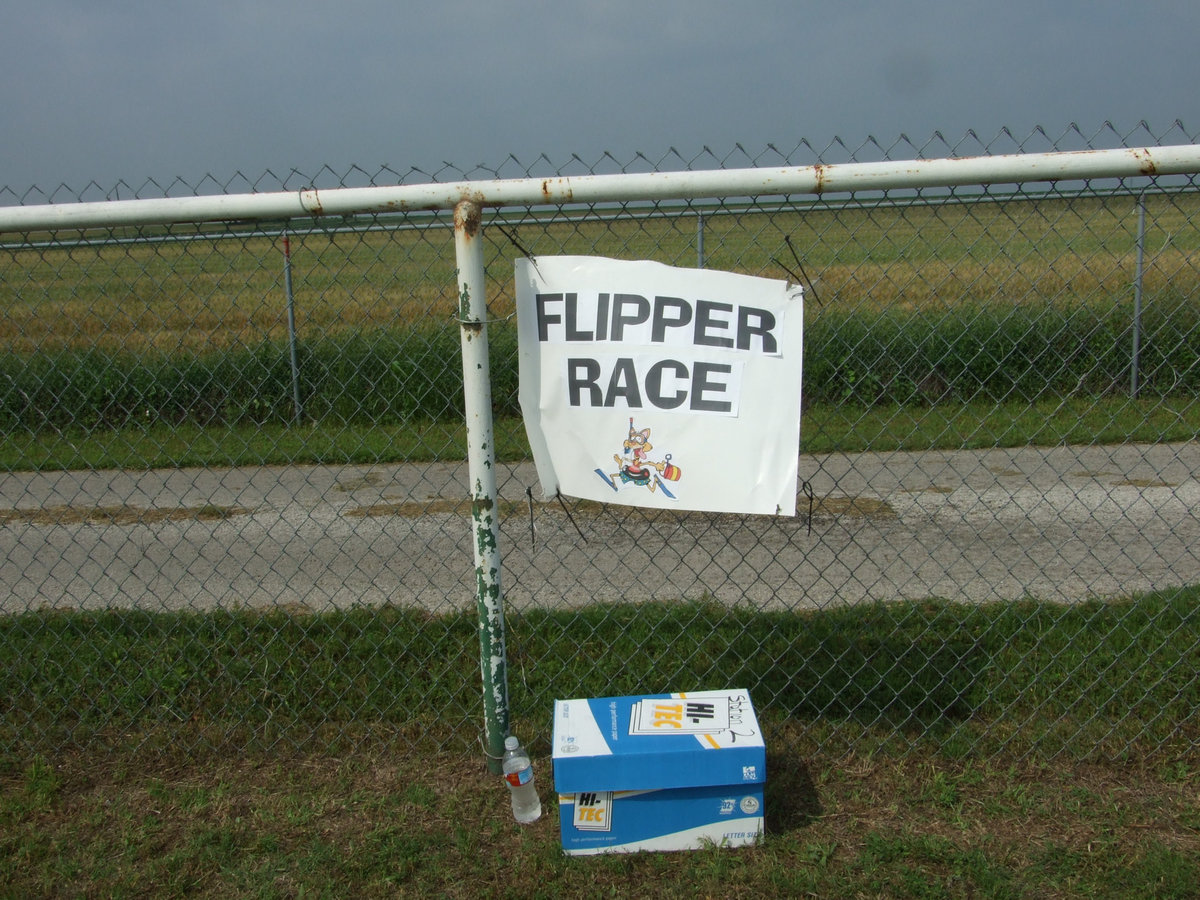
{"x":371,"y":479}
{"x":854,"y":507}
{"x":117,"y":515}
{"x":415,"y":509}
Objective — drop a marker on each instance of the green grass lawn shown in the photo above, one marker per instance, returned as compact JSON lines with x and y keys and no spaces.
{"x":385,"y":823}
{"x":914,"y":750}
{"x":849,"y":429}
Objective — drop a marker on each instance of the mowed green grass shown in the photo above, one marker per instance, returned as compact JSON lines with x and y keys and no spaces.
{"x":824,"y":429}
{"x":914,"y":750}
{"x":381,"y":822}
{"x":1090,"y":680}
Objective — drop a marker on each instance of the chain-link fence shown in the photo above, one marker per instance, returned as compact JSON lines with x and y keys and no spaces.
{"x":235,"y":497}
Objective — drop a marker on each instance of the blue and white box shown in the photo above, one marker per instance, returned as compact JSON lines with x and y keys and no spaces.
{"x":659,"y":772}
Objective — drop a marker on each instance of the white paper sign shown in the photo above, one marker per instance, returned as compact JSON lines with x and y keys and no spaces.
{"x":648,"y":385}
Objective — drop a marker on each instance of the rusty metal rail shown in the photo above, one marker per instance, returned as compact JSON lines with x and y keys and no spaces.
{"x":815,"y":179}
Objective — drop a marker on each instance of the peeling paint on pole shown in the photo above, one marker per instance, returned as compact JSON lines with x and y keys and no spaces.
{"x":477,"y":395}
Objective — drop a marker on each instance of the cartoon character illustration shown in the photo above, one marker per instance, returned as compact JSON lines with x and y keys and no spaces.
{"x":636,"y":467}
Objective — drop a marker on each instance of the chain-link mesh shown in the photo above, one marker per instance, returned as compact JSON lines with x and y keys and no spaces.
{"x":206,"y":436}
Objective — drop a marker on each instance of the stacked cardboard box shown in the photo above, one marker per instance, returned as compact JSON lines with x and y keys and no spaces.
{"x":659,"y":771}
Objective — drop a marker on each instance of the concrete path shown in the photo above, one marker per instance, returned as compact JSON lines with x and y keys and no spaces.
{"x":1061,"y":524}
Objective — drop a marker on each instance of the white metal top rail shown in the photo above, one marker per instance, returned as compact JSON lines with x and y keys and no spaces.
{"x":816,"y":179}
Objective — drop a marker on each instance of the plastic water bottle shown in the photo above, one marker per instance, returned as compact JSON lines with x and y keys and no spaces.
{"x":518,"y":774}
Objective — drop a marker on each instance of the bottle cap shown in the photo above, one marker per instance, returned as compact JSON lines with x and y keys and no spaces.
{"x":511,"y":742}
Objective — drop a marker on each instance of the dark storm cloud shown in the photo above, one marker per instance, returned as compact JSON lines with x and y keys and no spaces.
{"x":126,"y":90}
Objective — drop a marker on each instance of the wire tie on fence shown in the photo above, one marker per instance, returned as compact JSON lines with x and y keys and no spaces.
{"x":513,"y":240}
{"x":807,"y":490}
{"x":462,"y":321}
{"x":795,"y":278}
{"x":483,"y":747}
{"x":558,"y":496}
{"x":787,"y":239}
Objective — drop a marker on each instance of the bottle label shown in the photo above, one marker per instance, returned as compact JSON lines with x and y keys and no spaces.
{"x":516,"y":779}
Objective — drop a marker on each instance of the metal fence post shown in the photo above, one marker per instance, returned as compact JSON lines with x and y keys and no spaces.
{"x":1136,"y":352}
{"x":481,"y":458}
{"x":291,"y":320}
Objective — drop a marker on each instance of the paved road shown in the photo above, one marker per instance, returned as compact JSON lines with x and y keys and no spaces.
{"x":1062,"y":523}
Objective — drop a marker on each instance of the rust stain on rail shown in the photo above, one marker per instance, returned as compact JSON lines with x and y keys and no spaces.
{"x":819,"y":176}
{"x":551,"y":185}
{"x":311,"y":201}
{"x":1146,"y":162}
{"x":468,"y":216}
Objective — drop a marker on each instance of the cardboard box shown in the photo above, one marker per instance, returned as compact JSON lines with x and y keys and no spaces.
{"x":658,"y":772}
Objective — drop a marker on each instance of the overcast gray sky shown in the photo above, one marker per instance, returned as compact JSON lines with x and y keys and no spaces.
{"x":123,"y":90}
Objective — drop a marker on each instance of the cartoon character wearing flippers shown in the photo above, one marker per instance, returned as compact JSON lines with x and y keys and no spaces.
{"x":636,"y":467}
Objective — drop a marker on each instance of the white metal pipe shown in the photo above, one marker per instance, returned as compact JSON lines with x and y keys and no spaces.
{"x":1136,"y":352}
{"x":817,"y":179}
{"x":481,"y":468}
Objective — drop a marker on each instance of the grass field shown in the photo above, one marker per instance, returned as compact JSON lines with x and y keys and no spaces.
{"x":1091,"y":679}
{"x":297,"y":765}
{"x":915,"y":750}
{"x":199,"y":295}
{"x":381,"y":823}
{"x":938,"y":308}
{"x":850,"y":429}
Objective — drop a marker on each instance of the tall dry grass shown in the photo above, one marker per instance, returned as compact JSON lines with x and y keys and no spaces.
{"x":192,"y":296}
